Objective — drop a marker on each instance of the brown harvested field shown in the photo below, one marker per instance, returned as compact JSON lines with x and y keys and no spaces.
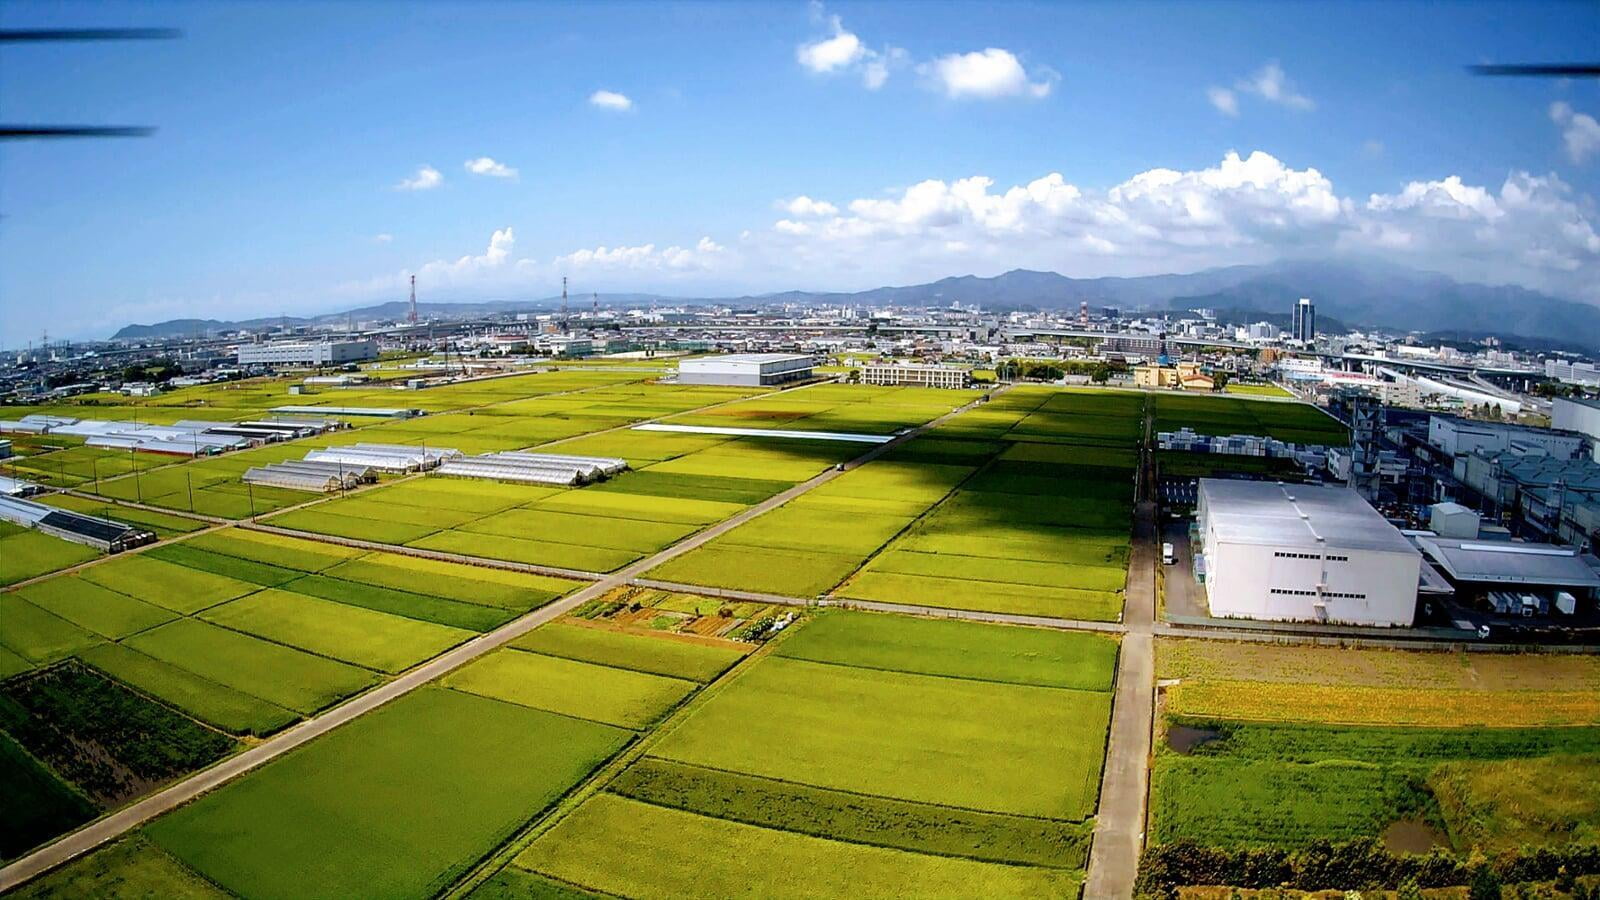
{"x":1361,"y":705}
{"x":1301,"y":664}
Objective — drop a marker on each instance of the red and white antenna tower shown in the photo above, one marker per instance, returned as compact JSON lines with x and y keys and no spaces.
{"x":412,"y":316}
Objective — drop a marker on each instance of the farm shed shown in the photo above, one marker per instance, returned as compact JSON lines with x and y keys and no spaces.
{"x":1303,"y":553}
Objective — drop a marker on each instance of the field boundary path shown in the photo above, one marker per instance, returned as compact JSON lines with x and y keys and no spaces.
{"x":878,"y":606}
{"x":1124,"y":785}
{"x":122,"y":821}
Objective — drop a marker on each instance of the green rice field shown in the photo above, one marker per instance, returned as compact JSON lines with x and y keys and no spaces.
{"x":410,"y":795}
{"x":679,"y":483}
{"x":898,"y":756}
{"x":249,"y":631}
{"x":1249,"y":765}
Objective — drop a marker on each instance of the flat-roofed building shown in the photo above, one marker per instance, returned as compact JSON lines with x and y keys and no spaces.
{"x":307,"y":353}
{"x":1306,"y":553}
{"x":916,"y":376}
{"x":746,"y":369}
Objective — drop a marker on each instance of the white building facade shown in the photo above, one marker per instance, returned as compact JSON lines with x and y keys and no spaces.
{"x":1462,"y":437}
{"x":916,"y":376}
{"x":307,"y":353}
{"x":1303,"y":553}
{"x":746,"y":369}
{"x":1581,"y":416}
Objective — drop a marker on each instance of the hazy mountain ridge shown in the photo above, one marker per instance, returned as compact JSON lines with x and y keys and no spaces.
{"x":1364,"y":294}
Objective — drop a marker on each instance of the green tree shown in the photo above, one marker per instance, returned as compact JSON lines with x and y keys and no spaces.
{"x":1485,"y":884}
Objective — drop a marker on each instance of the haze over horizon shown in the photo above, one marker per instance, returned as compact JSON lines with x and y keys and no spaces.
{"x":718,"y":150}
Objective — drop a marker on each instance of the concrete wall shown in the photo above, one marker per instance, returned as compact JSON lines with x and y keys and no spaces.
{"x":1281,"y":584}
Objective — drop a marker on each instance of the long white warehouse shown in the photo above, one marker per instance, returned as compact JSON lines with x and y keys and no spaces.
{"x":1304,"y":553}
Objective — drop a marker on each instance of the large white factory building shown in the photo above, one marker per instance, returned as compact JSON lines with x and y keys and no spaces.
{"x":1303,"y":553}
{"x":307,"y":353}
{"x":746,"y":369}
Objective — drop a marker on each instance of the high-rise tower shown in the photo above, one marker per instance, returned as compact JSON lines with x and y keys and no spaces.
{"x":412,"y":316}
{"x":1305,"y":321}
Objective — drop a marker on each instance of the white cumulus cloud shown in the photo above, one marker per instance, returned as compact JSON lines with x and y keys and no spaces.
{"x":1532,"y":230}
{"x":610,"y":100}
{"x":1580,"y":133}
{"x":802,"y":206}
{"x":427,"y":178}
{"x":843,"y":51}
{"x":988,"y":74}
{"x":485,"y":165}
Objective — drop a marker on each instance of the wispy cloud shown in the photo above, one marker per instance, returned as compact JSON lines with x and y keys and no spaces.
{"x":426,"y":179}
{"x":1225,"y":101}
{"x":485,"y":165}
{"x":1272,"y":85}
{"x":1269,"y":83}
{"x":1580,"y":133}
{"x":383,"y":238}
{"x":610,"y":100}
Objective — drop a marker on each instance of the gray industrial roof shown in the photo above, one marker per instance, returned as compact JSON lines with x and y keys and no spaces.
{"x":1504,"y":562}
{"x":1298,"y":515}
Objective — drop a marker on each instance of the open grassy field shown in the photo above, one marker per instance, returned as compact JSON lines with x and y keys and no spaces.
{"x":395,"y":804}
{"x":1283,"y":745}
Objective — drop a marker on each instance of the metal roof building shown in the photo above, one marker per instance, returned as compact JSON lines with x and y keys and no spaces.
{"x":1503,"y":563}
{"x":746,"y":369}
{"x":1303,"y":553}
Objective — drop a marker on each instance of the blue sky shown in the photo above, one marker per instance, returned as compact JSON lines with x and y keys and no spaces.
{"x":775,"y":146}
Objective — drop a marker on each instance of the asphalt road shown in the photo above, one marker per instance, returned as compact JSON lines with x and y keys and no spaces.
{"x":1124,"y":785}
{"x":130,"y":817}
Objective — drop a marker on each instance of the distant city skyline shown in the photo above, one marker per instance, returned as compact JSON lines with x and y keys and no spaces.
{"x":313,"y":156}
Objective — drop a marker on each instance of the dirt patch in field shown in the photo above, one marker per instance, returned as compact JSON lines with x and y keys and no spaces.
{"x":1412,"y":837}
{"x":1185,"y":738}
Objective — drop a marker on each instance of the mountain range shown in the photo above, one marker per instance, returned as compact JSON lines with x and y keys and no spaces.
{"x":1360,"y":293}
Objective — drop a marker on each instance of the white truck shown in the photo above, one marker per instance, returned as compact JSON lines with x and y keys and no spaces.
{"x":1168,"y":557}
